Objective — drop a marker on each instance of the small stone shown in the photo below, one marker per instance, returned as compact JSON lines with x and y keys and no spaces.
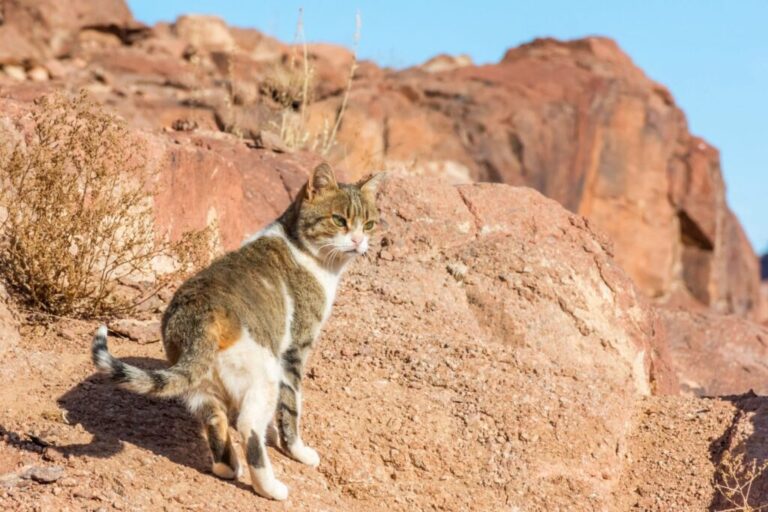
{"x":271,"y":141}
{"x":11,"y":480}
{"x":44,"y":475}
{"x":55,"y":68}
{"x":143,"y":331}
{"x":15,"y":72}
{"x":38,"y":74}
{"x":83,"y":493}
{"x":52,"y":455}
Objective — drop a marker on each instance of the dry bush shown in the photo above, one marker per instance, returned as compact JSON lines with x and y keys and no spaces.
{"x":734,"y":483}
{"x":79,"y":212}
{"x":290,"y":85}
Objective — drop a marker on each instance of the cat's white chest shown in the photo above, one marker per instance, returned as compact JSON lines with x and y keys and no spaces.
{"x":329,"y":281}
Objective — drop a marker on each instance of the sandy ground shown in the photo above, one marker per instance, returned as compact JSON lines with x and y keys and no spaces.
{"x":110,"y":450}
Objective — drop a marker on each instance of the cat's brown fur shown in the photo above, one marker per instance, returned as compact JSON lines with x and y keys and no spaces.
{"x":238,"y":333}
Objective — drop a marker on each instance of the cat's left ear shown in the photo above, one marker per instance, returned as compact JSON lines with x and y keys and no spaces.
{"x":322,"y":179}
{"x":370,"y":184}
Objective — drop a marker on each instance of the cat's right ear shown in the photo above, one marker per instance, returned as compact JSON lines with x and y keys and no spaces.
{"x":322,"y":179}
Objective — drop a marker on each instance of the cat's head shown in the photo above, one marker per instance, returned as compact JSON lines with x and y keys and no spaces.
{"x":336,"y":220}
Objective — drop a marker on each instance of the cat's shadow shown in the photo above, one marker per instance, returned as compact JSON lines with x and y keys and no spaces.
{"x":115,"y":417}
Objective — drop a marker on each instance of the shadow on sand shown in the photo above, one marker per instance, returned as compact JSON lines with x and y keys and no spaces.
{"x":747,"y":438}
{"x":115,"y":416}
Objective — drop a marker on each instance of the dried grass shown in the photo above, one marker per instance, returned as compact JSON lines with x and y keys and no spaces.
{"x":734,"y":483}
{"x":79,"y":214}
{"x":291,"y":86}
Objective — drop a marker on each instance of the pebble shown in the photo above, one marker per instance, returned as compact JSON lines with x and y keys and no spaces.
{"x":44,"y":475}
{"x":15,"y":72}
{"x":38,"y":74}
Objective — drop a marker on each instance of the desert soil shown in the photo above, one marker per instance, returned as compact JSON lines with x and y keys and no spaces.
{"x":106,"y":449}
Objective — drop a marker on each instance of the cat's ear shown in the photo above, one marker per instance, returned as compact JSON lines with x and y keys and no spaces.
{"x":322,"y":179}
{"x":370,"y":184}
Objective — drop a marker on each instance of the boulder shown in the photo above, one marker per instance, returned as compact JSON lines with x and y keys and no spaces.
{"x":444,"y":62}
{"x":716,"y":354}
{"x":499,"y":322}
{"x":208,"y":33}
{"x":204,"y":179}
{"x":582,"y":124}
{"x":35,"y":30}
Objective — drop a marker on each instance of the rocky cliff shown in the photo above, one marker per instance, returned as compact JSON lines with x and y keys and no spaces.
{"x":581,"y":123}
{"x":577,"y":120}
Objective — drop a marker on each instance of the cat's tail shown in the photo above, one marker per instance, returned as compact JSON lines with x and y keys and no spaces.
{"x":167,"y":382}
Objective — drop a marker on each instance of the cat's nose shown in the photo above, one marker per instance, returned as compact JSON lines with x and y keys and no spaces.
{"x":357,"y":238}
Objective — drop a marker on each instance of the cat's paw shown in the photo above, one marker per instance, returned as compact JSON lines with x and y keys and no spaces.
{"x":273,"y":489}
{"x":305,"y":455}
{"x":226,"y":472}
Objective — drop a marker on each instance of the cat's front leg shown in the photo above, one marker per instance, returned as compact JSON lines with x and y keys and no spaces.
{"x":289,"y":410}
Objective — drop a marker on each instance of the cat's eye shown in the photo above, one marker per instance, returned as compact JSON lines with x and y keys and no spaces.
{"x":339,"y":221}
{"x":369,"y":225}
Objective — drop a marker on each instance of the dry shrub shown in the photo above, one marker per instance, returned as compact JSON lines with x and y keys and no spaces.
{"x":734,"y":483}
{"x":79,"y":212}
{"x":290,"y":85}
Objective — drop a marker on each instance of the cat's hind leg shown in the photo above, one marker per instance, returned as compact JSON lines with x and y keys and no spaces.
{"x":213,"y":414}
{"x":256,"y":412}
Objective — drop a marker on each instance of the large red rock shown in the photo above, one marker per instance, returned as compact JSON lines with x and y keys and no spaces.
{"x":582,"y":124}
{"x":203,"y":180}
{"x":510,"y":313}
{"x":716,"y":354}
{"x":36,"y":30}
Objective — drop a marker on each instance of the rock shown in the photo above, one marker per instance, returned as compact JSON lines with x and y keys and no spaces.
{"x":15,"y":72}
{"x":250,"y":187}
{"x":764,"y":288}
{"x":634,"y":169}
{"x":764,"y":266}
{"x":444,"y":62}
{"x":267,"y":139}
{"x":11,"y":480}
{"x":208,"y":33}
{"x":716,"y":354}
{"x":37,"y":31}
{"x":558,"y":338}
{"x":43,"y":474}
{"x":38,"y":74}
{"x":143,"y":331}
{"x":764,"y":294}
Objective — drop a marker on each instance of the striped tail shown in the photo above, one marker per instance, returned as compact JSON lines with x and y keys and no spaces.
{"x":168,"y":382}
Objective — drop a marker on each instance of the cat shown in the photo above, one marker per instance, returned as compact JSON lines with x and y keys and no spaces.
{"x":238,"y":333}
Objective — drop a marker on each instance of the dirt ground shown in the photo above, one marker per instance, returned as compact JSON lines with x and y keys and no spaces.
{"x":110,"y":450}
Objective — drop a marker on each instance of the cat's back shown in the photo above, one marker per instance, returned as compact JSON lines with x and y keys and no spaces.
{"x":251,"y":286}
{"x":254,"y":268}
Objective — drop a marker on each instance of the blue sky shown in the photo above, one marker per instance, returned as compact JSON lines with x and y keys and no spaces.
{"x":713,"y":55}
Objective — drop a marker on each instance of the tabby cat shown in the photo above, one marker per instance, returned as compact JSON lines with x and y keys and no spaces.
{"x":238,"y":333}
